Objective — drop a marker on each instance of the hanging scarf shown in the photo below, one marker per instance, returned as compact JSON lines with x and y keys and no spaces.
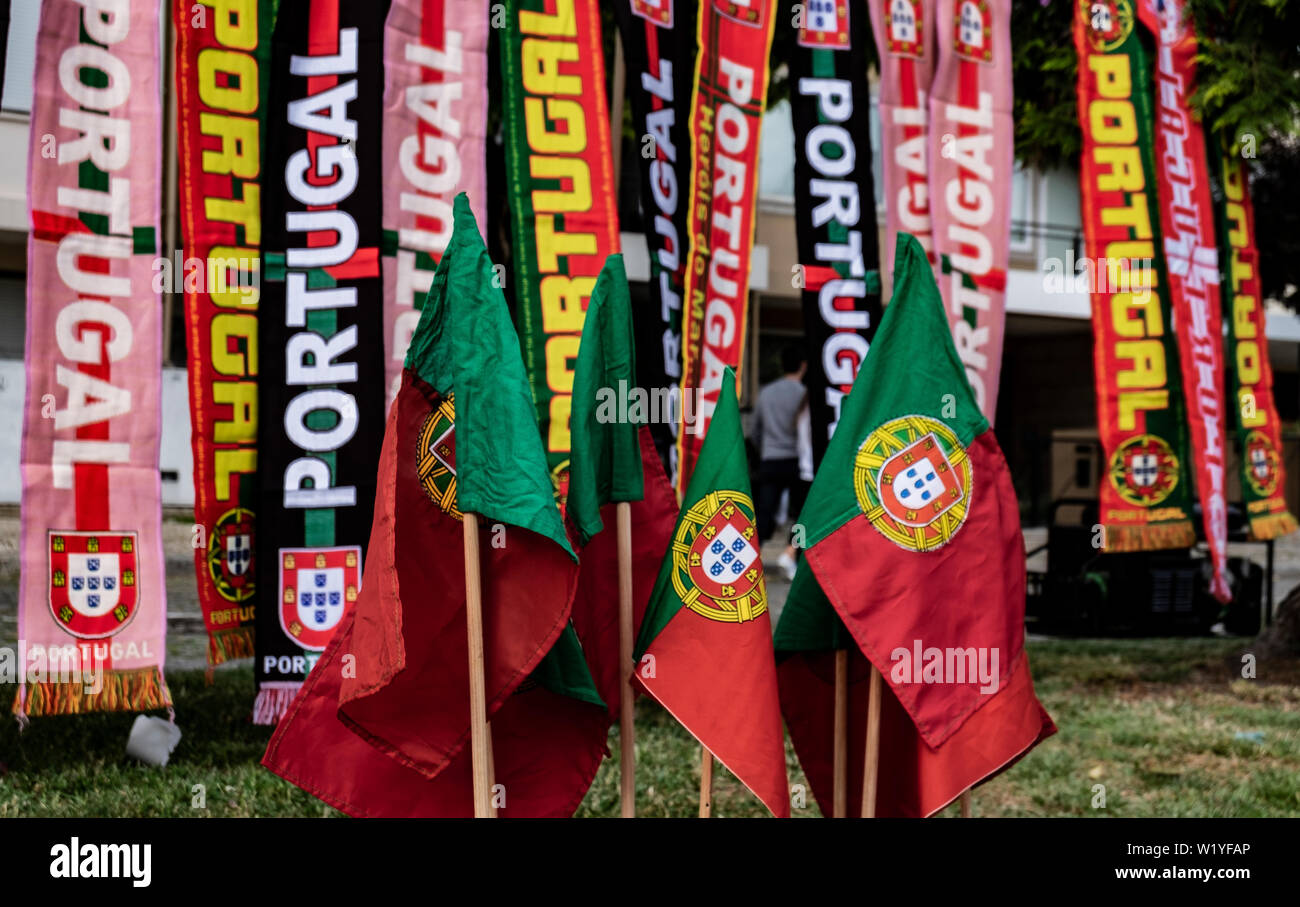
{"x":1259,"y":431}
{"x":321,"y":397}
{"x":92,"y":606}
{"x":1146,"y":500}
{"x":1192,"y":264}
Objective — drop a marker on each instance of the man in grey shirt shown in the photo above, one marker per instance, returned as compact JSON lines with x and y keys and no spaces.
{"x":775,"y":432}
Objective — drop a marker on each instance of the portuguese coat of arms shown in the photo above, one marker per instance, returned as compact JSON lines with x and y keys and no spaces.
{"x":93,"y":581}
{"x":826,"y":24}
{"x":905,"y":28}
{"x":1144,"y":470}
{"x":912,"y":478}
{"x":660,"y":12}
{"x":435,"y":456}
{"x":230,"y":555}
{"x":717,"y":570}
{"x":317,"y":586}
{"x":1110,"y":22}
{"x":1263,"y":459}
{"x":973,"y":30}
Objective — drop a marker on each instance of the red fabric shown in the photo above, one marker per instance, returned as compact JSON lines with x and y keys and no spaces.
{"x":595,"y":607}
{"x":386,"y":708}
{"x":915,"y":780}
{"x":410,"y":692}
{"x":719,"y":681}
{"x":1191,"y":266}
{"x":969,"y":593}
{"x":546,"y":749}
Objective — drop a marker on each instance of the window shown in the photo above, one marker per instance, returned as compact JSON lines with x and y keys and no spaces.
{"x":20,"y":57}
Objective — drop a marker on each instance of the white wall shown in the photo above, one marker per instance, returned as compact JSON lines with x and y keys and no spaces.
{"x":13,"y":175}
{"x":16,"y":90}
{"x":175,"y":454}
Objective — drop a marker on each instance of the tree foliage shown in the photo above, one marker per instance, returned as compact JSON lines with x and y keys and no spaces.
{"x":1248,"y":79}
{"x":1248,"y":87}
{"x":1044,"y":71}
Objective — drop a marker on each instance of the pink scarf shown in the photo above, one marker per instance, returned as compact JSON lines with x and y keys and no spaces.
{"x":91,"y":592}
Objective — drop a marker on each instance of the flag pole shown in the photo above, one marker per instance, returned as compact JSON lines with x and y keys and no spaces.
{"x":706,"y":782}
{"x":871,"y":769}
{"x":480,"y":739}
{"x":841,"y":752}
{"x":626,"y":727}
{"x":965,"y":803}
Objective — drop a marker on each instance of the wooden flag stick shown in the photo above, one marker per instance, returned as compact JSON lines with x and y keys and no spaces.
{"x":871,"y":770}
{"x":965,"y":803}
{"x":480,"y":741}
{"x":626,"y":728}
{"x":841,"y":753}
{"x":706,"y":783}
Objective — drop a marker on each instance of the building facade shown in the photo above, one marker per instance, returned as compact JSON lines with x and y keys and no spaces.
{"x":1046,"y":392}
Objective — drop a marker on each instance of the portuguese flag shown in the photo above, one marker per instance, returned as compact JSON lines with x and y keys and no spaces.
{"x":707,"y":630}
{"x":613,"y":460}
{"x":606,"y":461}
{"x":381,"y":727}
{"x":914,"y":553}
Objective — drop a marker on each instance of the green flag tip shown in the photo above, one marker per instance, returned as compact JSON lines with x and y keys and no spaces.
{"x":907,"y":244}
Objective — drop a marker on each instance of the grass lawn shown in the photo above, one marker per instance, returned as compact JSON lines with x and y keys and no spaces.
{"x":1168,"y":726}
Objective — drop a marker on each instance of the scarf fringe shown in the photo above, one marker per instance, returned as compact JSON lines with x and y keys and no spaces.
{"x":225,"y":645}
{"x":1273,"y":526}
{"x":271,"y":704}
{"x":1151,"y":537}
{"x":140,"y":690}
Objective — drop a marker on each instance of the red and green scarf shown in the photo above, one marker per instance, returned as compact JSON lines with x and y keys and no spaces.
{"x":221,"y":130}
{"x":727,"y":103}
{"x":561,"y":188}
{"x":1191,"y":266}
{"x":1259,"y":431}
{"x":1146,"y":500}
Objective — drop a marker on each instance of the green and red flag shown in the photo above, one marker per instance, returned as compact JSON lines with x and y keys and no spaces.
{"x":614,"y":460}
{"x":914,"y":545}
{"x":705,"y":644}
{"x":390,"y":696}
{"x":1259,"y":431}
{"x":606,"y":461}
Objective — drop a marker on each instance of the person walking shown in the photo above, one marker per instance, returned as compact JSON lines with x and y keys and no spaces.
{"x":775,"y":432}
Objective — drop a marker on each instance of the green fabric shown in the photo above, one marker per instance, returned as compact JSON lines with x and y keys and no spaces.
{"x":912,"y":368}
{"x":722,"y":465}
{"x":808,"y":622}
{"x":465,"y":343}
{"x":564,"y":670}
{"x":605,"y":462}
